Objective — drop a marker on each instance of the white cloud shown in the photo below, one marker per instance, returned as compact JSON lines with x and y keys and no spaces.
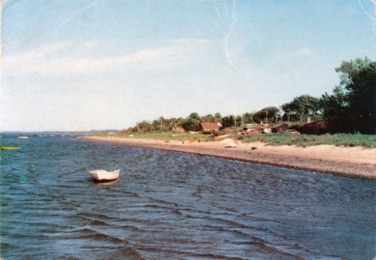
{"x":33,"y":55}
{"x":65,"y":58}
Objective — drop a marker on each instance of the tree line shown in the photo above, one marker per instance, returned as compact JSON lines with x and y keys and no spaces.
{"x":350,"y":108}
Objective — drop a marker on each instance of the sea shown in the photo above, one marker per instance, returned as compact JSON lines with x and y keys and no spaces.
{"x":171,"y":205}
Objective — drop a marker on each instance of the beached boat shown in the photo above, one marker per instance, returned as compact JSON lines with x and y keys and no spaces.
{"x":231,"y":145}
{"x":10,"y":148}
{"x":104,"y":176}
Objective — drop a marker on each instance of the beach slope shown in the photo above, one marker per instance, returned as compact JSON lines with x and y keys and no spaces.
{"x":355,"y":162}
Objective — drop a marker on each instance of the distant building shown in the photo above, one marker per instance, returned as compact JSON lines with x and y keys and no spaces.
{"x":290,"y":117}
{"x":209,"y":127}
{"x":178,"y":129}
{"x":315,"y":127}
{"x":280,"y":128}
{"x":254,"y":129}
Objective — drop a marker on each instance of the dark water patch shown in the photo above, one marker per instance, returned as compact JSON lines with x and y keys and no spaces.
{"x":89,"y":234}
{"x":116,"y":253}
{"x":93,"y":215}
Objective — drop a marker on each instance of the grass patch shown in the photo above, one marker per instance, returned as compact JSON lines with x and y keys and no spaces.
{"x":347,"y":140}
{"x":303,"y":140}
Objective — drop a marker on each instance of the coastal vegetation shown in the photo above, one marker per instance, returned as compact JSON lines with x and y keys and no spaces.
{"x":351,"y":108}
{"x":303,"y":140}
{"x":348,"y":116}
{"x":346,"y":140}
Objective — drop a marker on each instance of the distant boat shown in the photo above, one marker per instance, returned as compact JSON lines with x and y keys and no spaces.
{"x":10,"y":148}
{"x":104,"y":176}
{"x":23,"y":137}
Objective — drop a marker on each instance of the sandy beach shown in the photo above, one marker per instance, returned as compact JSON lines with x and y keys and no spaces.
{"x":355,"y":162}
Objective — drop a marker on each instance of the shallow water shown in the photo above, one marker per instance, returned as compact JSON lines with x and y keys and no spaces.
{"x":170,"y":205}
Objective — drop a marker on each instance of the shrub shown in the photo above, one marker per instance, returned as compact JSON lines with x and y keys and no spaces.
{"x":315,"y":128}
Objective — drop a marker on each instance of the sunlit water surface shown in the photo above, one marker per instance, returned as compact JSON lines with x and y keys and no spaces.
{"x":170,"y":205}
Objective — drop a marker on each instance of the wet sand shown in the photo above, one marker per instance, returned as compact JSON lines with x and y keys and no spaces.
{"x":355,"y":162}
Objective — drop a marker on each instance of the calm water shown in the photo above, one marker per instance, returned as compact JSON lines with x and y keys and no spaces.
{"x":174,"y":206}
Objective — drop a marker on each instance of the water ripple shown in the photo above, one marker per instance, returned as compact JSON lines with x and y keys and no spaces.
{"x":175,"y":206}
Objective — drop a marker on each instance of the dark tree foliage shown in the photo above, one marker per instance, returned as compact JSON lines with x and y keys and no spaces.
{"x":352,"y":106}
{"x":208,"y":118}
{"x":302,"y":106}
{"x":248,"y":118}
{"x":143,"y":126}
{"x":228,"y":121}
{"x":192,"y":123}
{"x":218,"y":117}
{"x":238,"y":121}
{"x":267,"y":114}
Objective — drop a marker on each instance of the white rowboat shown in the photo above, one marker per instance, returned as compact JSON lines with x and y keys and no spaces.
{"x":104,"y":176}
{"x":231,"y":145}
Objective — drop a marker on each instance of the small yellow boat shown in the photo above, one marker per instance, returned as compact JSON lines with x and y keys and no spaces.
{"x":10,"y":148}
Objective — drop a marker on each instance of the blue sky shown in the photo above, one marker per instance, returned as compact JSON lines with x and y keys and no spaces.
{"x":107,"y":64}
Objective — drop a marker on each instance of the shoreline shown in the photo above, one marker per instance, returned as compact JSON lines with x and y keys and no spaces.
{"x":354,"y":162}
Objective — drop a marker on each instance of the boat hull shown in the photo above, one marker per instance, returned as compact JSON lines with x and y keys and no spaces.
{"x":105,"y":176}
{"x":10,"y":148}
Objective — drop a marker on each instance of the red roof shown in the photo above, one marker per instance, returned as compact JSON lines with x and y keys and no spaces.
{"x":209,"y":126}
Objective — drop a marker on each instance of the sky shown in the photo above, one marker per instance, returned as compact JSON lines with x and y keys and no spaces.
{"x":79,"y":65}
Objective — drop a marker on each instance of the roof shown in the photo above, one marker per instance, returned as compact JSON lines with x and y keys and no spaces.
{"x":282,"y":126}
{"x":210,"y":126}
{"x":254,"y":126}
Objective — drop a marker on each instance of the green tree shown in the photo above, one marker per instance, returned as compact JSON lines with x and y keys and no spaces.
{"x":238,"y":121}
{"x":218,"y":117}
{"x":302,"y":105}
{"x":208,"y":118}
{"x":248,"y":118}
{"x":228,"y":121}
{"x":352,"y":106}
{"x":335,"y":109}
{"x":267,"y":114}
{"x":195,"y":116}
{"x":144,"y":126}
{"x":157,"y":124}
{"x":192,"y":123}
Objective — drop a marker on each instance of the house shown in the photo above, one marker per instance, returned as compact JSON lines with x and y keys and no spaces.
{"x":315,"y":127}
{"x":267,"y":128}
{"x":250,"y":129}
{"x":209,"y":127}
{"x":290,"y":117}
{"x":280,"y":129}
{"x":178,"y":130}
